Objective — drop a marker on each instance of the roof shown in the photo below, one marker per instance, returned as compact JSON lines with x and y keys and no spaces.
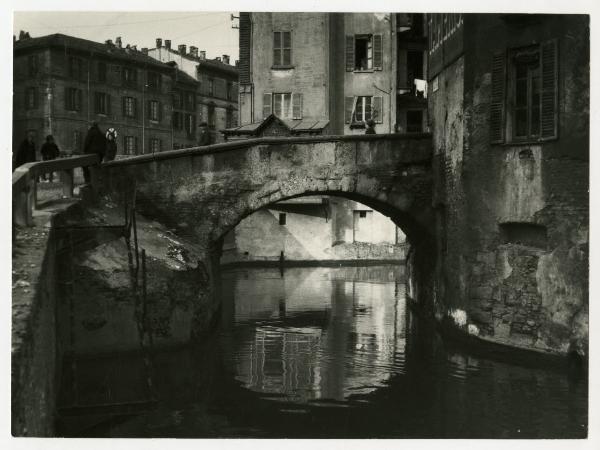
{"x":84,"y":45}
{"x":210,"y":64}
{"x":180,"y":75}
{"x":295,"y":126}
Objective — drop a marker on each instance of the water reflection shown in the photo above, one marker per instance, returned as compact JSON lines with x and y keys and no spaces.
{"x":319,"y":352}
{"x":317,"y":333}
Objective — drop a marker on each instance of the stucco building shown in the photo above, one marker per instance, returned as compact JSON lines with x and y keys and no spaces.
{"x":62,"y":83}
{"x":217,"y":90}
{"x":510,"y":121}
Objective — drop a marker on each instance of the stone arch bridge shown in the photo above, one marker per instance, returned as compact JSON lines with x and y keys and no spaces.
{"x":205,"y":192}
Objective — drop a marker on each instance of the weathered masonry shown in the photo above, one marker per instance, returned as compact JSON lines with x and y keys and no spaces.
{"x":510,"y":121}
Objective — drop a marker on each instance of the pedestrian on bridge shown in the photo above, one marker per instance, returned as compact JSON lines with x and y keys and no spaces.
{"x":205,"y":137}
{"x":95,"y":144}
{"x":111,"y":144}
{"x":26,"y":151}
{"x":49,"y":152}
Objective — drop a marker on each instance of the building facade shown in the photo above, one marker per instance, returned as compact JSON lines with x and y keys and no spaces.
{"x":331,"y":67}
{"x":510,"y":121}
{"x":217,"y":90}
{"x":62,"y":84}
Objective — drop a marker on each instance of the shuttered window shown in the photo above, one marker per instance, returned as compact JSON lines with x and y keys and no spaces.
{"x":524,"y":97}
{"x":101,"y":103}
{"x":359,"y":110}
{"x":297,"y":106}
{"x":549,"y":76}
{"x":497,"y":98}
{"x":73,"y":99}
{"x":364,"y":52}
{"x":267,"y":104}
{"x":129,"y":107}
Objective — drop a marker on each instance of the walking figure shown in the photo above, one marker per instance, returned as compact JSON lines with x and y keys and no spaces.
{"x":95,"y":143}
{"x":111,"y":144}
{"x":49,"y":152}
{"x":26,"y":151}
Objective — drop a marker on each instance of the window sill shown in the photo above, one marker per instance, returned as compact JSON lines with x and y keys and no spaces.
{"x":525,"y":142}
{"x":282,"y":67}
{"x":357,"y":125}
{"x":363,"y":70}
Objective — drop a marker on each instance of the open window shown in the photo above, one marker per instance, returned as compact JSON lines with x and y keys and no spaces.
{"x":524,"y":100}
{"x":360,"y":109}
{"x":364,"y":52}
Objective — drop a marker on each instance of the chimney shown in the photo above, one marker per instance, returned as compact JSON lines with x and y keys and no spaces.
{"x":145,"y":50}
{"x":181,"y":49}
{"x":158,"y":42}
{"x":237,"y":62}
{"x":118,"y":42}
{"x":226,"y":59}
{"x":109,"y":42}
{"x":168,"y":44}
{"x":134,"y":48}
{"x":193,"y":51}
{"x":218,"y":58}
{"x":202,"y":54}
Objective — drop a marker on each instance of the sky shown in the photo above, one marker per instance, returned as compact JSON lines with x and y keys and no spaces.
{"x":210,"y":31}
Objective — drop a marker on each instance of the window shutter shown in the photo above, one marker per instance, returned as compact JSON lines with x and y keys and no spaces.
{"x":108,"y":110}
{"x":160,"y":111}
{"x":377,"y":51}
{"x":267,"y":99}
{"x":297,"y":106}
{"x":67,"y":103}
{"x":80,"y":100}
{"x":135,"y":109}
{"x":348,"y":109}
{"x":148,"y":109}
{"x":549,"y":107}
{"x":349,"y":53}
{"x":135,"y":145}
{"x":377,"y":111}
{"x":497,"y":102}
{"x":36,"y":97}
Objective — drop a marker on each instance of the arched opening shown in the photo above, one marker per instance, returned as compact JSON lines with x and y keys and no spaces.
{"x":313,"y":291}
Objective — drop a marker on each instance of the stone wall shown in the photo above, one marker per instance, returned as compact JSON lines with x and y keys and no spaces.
{"x":516,"y":215}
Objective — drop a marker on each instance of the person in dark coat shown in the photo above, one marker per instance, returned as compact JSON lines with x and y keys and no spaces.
{"x":26,"y":151}
{"x":49,"y":151}
{"x":95,"y":143}
{"x":111,"y":144}
{"x":205,"y":137}
{"x":370,"y":127}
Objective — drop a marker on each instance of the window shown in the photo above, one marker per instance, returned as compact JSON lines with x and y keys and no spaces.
{"x":154,"y":145}
{"x":130,"y":145}
{"x":177,"y":121}
{"x":75,"y":68}
{"x":211,"y":116}
{"x":129,"y":107}
{"x":76,"y":141}
{"x":101,"y":103}
{"x":190,"y":125}
{"x":229,"y":118}
{"x":154,"y":81}
{"x":364,"y":52}
{"x":73,"y":99}
{"x":282,"y":49}
{"x":283,"y":105}
{"x":414,"y":67}
{"x":282,"y":219}
{"x":414,"y":121}
{"x":129,"y":76}
{"x":211,"y":87}
{"x":229,"y":90}
{"x":190,"y":101}
{"x":101,"y":72}
{"x":362,"y":214}
{"x":363,"y":108}
{"x":177,"y":100}
{"x":524,"y":97}
{"x":154,"y":110}
{"x":33,"y":65}
{"x":31,"y":98}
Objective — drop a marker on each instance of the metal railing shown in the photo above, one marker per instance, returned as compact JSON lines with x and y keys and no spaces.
{"x":25,"y":179}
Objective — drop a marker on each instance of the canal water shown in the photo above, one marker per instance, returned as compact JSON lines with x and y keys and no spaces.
{"x":318,"y":353}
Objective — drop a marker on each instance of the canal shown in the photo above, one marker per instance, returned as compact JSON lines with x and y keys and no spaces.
{"x":318,"y":352}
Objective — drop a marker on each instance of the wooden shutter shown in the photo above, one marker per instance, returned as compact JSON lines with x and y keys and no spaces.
{"x":348,"y":109}
{"x":549,"y":75}
{"x":160,"y":111}
{"x":377,"y":109}
{"x":36,"y":97}
{"x":135,"y":109}
{"x":377,"y":51}
{"x":123,"y":109}
{"x":108,"y":109}
{"x":297,"y":106}
{"x":267,"y":104}
{"x":349,"y":53}
{"x":148,"y":109}
{"x":135,"y":143}
{"x":497,"y":101}
{"x":80,"y":100}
